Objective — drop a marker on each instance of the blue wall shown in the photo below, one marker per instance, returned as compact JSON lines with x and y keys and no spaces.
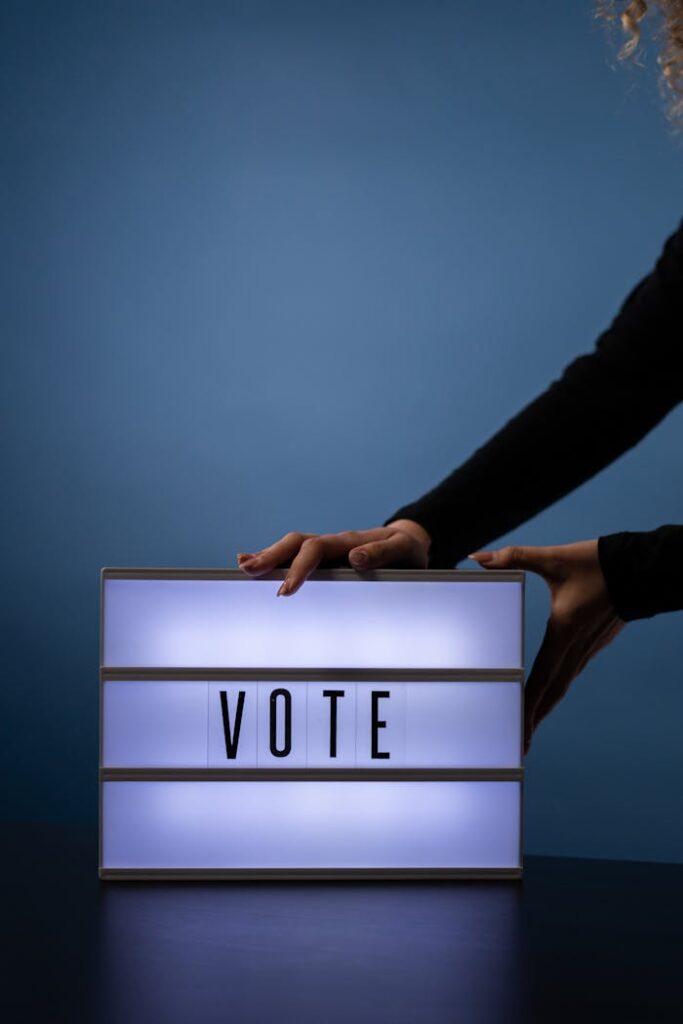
{"x":282,"y":265}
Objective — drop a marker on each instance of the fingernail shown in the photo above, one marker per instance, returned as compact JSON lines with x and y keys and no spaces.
{"x":359,"y":558}
{"x":482,"y":556}
{"x":285,"y":588}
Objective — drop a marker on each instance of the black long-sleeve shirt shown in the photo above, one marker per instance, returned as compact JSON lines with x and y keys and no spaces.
{"x":603,"y":403}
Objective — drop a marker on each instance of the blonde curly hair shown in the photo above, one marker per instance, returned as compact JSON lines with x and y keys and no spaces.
{"x":670,"y":58}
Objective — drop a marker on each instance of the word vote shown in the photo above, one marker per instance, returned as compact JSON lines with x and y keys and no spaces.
{"x":282,"y":723}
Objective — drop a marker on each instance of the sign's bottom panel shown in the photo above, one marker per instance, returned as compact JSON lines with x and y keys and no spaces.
{"x":331,"y":827}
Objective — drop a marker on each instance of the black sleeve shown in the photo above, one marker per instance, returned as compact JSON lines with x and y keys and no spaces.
{"x":643,"y":571}
{"x":604,"y":402}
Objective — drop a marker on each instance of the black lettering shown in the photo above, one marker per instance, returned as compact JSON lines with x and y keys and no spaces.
{"x":231,"y":740}
{"x":377,"y":723}
{"x":274,"y":749}
{"x":333,"y":695}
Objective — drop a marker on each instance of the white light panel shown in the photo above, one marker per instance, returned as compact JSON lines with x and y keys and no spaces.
{"x":461,"y":724}
{"x":310,"y":824}
{"x":207,"y":623}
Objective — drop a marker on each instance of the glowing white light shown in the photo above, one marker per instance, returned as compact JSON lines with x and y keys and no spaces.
{"x":350,"y":624}
{"x":426,"y":724}
{"x":311,"y":824}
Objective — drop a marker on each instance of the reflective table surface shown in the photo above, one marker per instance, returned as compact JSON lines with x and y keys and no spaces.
{"x":574,"y":940}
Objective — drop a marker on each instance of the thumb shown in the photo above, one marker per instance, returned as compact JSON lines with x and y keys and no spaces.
{"x":515,"y":557}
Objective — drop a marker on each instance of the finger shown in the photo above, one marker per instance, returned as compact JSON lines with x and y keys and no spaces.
{"x":331,"y":548}
{"x":324,"y":547}
{"x":586,"y":652}
{"x":336,"y":546}
{"x":546,"y":667}
{"x":579,"y":648}
{"x":359,"y":545}
{"x":395,"y":550}
{"x":311,"y":554}
{"x":275,"y":554}
{"x":556,"y":691}
{"x":542,"y":560}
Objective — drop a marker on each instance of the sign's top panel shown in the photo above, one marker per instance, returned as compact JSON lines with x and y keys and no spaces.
{"x":338,"y":619}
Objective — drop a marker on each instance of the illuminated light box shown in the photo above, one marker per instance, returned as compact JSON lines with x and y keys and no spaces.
{"x":370,"y":725}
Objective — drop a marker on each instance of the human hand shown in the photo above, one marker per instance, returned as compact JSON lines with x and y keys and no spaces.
{"x":582,"y":619}
{"x":403,"y":544}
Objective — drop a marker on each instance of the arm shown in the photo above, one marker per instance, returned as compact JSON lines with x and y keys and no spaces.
{"x":601,"y":406}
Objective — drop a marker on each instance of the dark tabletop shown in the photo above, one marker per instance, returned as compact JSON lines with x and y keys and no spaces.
{"x":574,"y":940}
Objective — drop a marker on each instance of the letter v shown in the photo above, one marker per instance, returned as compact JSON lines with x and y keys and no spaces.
{"x":231,"y":740}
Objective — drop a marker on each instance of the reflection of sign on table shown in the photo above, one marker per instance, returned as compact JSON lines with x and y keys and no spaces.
{"x":369,"y":725}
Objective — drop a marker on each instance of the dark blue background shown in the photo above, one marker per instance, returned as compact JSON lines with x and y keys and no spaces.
{"x":282,"y":265}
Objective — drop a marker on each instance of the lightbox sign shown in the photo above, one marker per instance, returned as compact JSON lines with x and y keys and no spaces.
{"x":371,"y":725}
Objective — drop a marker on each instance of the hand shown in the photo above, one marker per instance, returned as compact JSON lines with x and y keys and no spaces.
{"x":402,"y":543}
{"x":582,"y":619}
